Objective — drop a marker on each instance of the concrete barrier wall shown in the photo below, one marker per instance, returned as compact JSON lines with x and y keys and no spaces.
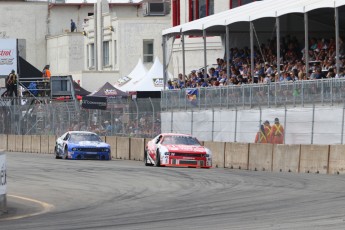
{"x":11,"y":143}
{"x":19,"y":143}
{"x":44,"y":144}
{"x":236,"y":155}
{"x":35,"y":143}
{"x":337,"y":159}
{"x":123,"y":148}
{"x":286,"y":158}
{"x":314,"y":159}
{"x":137,"y":149}
{"x":260,"y":157}
{"x":111,"y":140}
{"x":51,"y":141}
{"x":27,"y":143}
{"x":3,"y":142}
{"x":218,"y":151}
{"x":293,"y":158}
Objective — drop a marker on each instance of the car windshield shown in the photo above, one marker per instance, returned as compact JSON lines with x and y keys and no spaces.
{"x":77,"y":137}
{"x":180,"y":140}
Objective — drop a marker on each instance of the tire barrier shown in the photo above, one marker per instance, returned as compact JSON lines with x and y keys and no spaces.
{"x":3,"y":183}
{"x":323,"y":159}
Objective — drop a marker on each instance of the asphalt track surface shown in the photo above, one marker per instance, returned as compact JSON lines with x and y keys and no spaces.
{"x":45,"y":193}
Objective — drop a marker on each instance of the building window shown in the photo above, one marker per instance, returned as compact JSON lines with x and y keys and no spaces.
{"x":115,"y":53}
{"x":92,"y":55}
{"x":106,"y":53}
{"x":176,"y":11}
{"x":200,"y":8}
{"x":148,"y":50}
{"x":236,"y":3}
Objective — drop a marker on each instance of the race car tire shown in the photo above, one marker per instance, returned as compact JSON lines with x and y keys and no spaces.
{"x":56,"y":154}
{"x":158,"y":159}
{"x":146,"y":159}
{"x":65,"y":153}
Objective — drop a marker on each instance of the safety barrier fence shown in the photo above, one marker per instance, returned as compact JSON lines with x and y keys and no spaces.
{"x":123,"y":117}
{"x":297,"y":93}
{"x":323,"y":159}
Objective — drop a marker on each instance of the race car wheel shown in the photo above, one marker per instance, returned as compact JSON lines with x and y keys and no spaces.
{"x":158,"y":159}
{"x":146,"y":159}
{"x":65,"y":153}
{"x":56,"y":153}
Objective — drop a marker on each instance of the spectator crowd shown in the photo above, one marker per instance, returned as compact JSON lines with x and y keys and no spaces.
{"x":322,"y":64}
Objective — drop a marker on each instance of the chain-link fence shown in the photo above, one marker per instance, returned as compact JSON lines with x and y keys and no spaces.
{"x":298,"y":93}
{"x":138,"y":118}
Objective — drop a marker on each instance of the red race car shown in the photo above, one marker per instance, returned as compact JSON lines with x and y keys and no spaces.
{"x":170,"y":149}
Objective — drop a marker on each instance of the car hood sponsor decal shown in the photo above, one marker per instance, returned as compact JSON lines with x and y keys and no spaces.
{"x":185,"y":148}
{"x":92,"y":143}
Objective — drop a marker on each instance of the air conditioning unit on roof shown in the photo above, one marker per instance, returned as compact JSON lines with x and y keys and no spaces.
{"x":154,"y":8}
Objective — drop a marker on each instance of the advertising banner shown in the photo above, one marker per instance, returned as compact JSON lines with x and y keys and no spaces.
{"x":90,"y":102}
{"x":3,"y":181}
{"x":8,"y":56}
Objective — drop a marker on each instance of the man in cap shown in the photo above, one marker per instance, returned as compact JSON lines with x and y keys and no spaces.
{"x":268,"y":131}
{"x":11,"y":84}
{"x":277,"y":133}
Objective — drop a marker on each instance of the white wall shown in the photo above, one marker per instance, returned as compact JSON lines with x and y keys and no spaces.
{"x":65,"y":53}
{"x":26,"y":20}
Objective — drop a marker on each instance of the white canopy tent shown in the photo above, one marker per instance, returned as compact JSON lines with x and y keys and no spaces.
{"x":219,"y":24}
{"x":134,"y":76}
{"x":251,"y":12}
{"x":153,"y":80}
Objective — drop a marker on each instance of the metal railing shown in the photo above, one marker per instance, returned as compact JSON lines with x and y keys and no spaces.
{"x":298,"y":93}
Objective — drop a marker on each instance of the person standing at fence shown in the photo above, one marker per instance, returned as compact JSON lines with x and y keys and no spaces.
{"x":46,"y":74}
{"x":268,"y":131}
{"x":261,"y":135}
{"x":12,"y":84}
{"x":277,"y":133}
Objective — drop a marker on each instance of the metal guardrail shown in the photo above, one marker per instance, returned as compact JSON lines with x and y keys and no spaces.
{"x":298,"y":93}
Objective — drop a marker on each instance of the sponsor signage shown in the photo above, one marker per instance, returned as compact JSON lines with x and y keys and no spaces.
{"x":8,"y":56}
{"x":158,"y":82}
{"x":89,"y":102}
{"x":123,"y":80}
{"x":3,"y":175}
{"x":110,"y":92}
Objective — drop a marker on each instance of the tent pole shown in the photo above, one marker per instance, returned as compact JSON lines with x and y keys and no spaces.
{"x":337,"y":38}
{"x":278,"y":44}
{"x":227,"y":50}
{"x":183,"y":57}
{"x":251,"y":50}
{"x":164,"y":62}
{"x":306,"y":44}
{"x":205,"y":53}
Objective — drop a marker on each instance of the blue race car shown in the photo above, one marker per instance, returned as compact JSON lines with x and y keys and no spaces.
{"x":78,"y":145}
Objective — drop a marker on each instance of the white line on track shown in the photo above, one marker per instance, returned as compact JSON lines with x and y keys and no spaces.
{"x":45,"y":208}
